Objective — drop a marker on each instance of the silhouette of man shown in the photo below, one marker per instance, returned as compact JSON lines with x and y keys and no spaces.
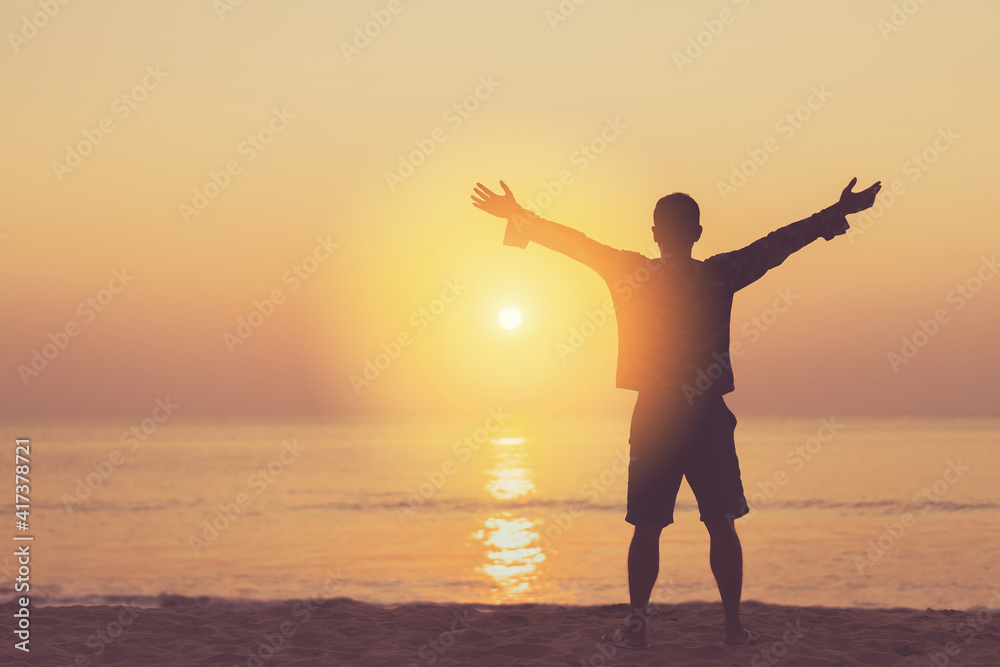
{"x":673,"y":317}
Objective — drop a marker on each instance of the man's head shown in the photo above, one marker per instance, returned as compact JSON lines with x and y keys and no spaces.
{"x":676,"y":223}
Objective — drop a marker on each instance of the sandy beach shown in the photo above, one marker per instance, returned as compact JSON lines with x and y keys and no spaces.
{"x":345,"y":632}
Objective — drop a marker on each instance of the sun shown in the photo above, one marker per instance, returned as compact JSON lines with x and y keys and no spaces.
{"x":510,"y":318}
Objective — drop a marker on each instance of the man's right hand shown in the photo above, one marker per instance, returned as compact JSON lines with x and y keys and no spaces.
{"x":855,"y":202}
{"x":501,"y":206}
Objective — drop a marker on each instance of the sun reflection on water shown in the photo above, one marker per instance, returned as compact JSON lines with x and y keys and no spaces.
{"x":513,"y":556}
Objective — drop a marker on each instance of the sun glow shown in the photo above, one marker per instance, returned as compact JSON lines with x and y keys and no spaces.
{"x":510,"y":318}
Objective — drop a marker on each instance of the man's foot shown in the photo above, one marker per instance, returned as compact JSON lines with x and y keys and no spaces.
{"x":742,"y":638}
{"x":632,"y":636}
{"x":626,"y":639}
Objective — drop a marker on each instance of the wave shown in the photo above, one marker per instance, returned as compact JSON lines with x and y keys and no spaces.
{"x":162,"y":601}
{"x":472,"y":504}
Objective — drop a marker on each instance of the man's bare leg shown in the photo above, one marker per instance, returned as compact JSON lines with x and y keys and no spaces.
{"x":643,"y":568}
{"x":727,"y":565}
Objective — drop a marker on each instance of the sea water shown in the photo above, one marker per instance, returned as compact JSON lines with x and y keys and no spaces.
{"x":495,"y":508}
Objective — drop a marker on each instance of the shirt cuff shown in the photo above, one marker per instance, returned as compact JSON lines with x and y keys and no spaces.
{"x":518,"y":226}
{"x":833,"y":222}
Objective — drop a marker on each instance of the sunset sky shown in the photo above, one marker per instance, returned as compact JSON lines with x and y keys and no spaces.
{"x":182,"y":163}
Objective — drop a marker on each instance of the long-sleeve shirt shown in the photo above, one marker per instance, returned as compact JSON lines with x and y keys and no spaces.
{"x":674,"y":313}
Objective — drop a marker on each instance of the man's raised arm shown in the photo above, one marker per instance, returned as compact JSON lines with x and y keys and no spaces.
{"x":524,"y":226}
{"x":742,"y":267}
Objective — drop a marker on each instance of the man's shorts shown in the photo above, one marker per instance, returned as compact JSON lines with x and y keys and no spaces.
{"x":670,"y":439}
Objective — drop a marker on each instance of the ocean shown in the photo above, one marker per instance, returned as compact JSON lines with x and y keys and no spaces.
{"x":846,"y":511}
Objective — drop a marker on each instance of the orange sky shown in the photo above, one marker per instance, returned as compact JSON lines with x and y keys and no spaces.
{"x":216,"y":159}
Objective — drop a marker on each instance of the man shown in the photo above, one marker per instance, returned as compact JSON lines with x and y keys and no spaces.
{"x":673,"y":317}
